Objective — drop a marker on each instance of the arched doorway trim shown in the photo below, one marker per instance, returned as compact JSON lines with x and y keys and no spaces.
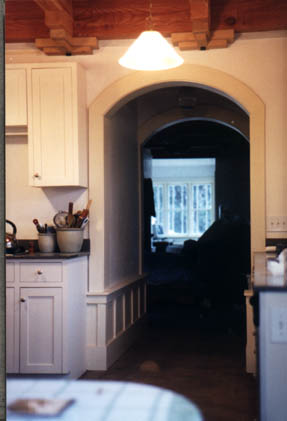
{"x":137,"y":83}
{"x":175,"y":116}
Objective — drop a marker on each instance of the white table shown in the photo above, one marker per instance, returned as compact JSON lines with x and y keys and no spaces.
{"x":104,"y":401}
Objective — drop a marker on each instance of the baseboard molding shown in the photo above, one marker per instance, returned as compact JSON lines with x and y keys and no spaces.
{"x":120,"y":344}
{"x":101,"y":358}
{"x":96,"y":358}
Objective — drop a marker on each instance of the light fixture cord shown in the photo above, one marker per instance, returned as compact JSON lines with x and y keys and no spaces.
{"x":150,"y":17}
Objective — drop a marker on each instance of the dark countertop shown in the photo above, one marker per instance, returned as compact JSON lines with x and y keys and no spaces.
{"x":45,"y":256}
{"x":31,"y":251}
{"x":269,"y":273}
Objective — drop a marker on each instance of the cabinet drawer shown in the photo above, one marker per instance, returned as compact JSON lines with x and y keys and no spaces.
{"x":10,"y":272}
{"x":40,"y":272}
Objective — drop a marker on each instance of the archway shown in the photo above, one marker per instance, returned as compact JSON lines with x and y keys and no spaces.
{"x":129,"y":87}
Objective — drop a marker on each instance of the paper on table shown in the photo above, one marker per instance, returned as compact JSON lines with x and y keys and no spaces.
{"x":47,"y":407}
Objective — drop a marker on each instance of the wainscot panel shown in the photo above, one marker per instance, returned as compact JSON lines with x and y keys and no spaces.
{"x":114,"y":320}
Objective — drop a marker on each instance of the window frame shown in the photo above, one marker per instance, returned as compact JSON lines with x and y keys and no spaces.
{"x":165,"y":182}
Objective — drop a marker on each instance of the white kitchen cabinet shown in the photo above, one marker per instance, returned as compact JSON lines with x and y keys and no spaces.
{"x":46,"y":314}
{"x":16,"y":98}
{"x":40,"y":330}
{"x":12,"y":330}
{"x":57,"y":125}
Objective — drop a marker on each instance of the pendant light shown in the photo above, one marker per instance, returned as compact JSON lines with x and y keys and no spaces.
{"x":150,"y":51}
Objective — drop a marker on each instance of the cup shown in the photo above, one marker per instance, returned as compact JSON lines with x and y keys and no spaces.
{"x":70,"y":240}
{"x":47,"y":242}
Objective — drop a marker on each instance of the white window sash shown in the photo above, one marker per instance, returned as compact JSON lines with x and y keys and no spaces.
{"x":189,"y":183}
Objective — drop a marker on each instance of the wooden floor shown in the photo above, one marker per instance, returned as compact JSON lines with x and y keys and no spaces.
{"x":201,"y":356}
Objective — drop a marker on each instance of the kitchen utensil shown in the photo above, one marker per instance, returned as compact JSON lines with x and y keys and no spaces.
{"x":10,"y":238}
{"x":70,"y":218}
{"x":51,"y":229}
{"x":84,"y":223}
{"x":60,"y":219}
{"x":83,"y":215}
{"x":89,"y":204}
{"x":40,"y":227}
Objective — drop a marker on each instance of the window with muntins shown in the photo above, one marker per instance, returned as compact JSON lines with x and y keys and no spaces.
{"x":183,"y":209}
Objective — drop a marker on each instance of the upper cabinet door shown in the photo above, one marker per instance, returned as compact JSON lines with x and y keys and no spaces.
{"x":55,"y":146}
{"x":16,"y":97}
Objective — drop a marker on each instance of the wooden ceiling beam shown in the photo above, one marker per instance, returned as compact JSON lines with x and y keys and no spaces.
{"x":56,"y":5}
{"x":114,"y":19}
{"x":192,"y":41}
{"x":59,"y":20}
{"x":58,"y":14}
{"x":227,"y":34}
{"x":67,"y":45}
{"x":200,"y":16}
{"x":201,"y":37}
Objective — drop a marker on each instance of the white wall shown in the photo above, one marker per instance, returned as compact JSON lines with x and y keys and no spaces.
{"x":24,"y":203}
{"x":121,"y":197}
{"x":258,"y":60}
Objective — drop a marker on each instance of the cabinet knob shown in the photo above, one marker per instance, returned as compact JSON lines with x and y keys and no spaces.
{"x":36,"y":175}
{"x":22,"y":300}
{"x":39,"y":272}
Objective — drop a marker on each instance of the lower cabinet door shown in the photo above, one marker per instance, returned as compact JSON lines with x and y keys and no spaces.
{"x":41,"y":330}
{"x":12,"y":330}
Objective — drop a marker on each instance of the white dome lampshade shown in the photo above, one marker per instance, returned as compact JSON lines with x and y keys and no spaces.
{"x":150,"y":51}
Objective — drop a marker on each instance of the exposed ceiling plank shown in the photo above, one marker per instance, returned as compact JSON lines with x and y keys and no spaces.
{"x":249,"y":16}
{"x":115,"y":19}
{"x":24,"y":21}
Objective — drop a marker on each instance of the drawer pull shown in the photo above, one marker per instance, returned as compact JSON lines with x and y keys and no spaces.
{"x":36,"y":175}
{"x":39,"y":272}
{"x":22,"y":300}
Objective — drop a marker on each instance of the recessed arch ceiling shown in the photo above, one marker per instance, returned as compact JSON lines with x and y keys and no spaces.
{"x":201,"y":122}
{"x":196,"y":138}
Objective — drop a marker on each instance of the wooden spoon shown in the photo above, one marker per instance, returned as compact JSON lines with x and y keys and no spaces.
{"x":70,"y":217}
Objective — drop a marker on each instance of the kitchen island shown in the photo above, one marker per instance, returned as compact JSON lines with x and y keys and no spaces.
{"x":270,"y":286}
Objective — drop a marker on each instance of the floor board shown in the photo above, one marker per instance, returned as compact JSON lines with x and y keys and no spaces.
{"x":198,"y":354}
